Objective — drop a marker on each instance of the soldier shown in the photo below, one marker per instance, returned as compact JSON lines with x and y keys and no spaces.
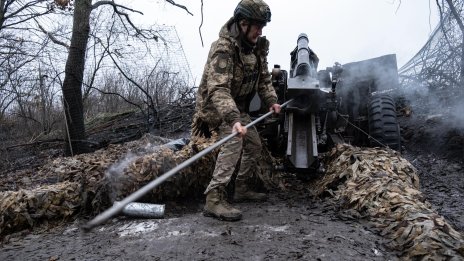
{"x":235,"y":70}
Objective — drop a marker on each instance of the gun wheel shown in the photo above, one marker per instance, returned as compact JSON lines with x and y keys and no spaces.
{"x":383,"y":124}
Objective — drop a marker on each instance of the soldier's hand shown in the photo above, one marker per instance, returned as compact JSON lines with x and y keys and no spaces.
{"x":241,"y":130}
{"x":275,"y":108}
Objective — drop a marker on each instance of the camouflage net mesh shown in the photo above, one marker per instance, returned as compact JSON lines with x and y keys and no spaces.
{"x":77,"y":181}
{"x":190,"y":181}
{"x":383,"y":187}
{"x":92,"y":182}
{"x":27,"y":208}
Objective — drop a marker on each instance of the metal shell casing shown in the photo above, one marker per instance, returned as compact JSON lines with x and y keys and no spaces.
{"x":143,"y":210}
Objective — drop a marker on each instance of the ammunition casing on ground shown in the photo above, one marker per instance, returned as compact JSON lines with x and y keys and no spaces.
{"x":143,"y":210}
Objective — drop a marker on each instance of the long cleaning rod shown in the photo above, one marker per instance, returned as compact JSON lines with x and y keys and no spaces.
{"x":115,"y":209}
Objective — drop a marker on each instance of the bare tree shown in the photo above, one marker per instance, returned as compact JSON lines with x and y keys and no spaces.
{"x":20,"y":51}
{"x":32,"y":96}
{"x":75,"y":64}
{"x":16,"y":13}
{"x":457,"y":15}
{"x":439,"y":65}
{"x":453,"y":29}
{"x":152,"y":82}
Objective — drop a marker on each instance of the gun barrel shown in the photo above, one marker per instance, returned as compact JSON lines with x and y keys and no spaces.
{"x":303,"y":76}
{"x":303,"y":66}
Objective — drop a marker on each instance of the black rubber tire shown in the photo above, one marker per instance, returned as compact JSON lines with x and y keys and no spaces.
{"x":383,"y":124}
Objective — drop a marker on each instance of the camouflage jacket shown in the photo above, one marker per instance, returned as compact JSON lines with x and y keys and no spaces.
{"x":230,"y":79}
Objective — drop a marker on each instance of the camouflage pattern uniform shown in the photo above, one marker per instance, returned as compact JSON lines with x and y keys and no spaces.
{"x":231,"y":78}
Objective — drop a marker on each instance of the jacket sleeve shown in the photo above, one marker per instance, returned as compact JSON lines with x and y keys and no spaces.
{"x":265,"y":89}
{"x":220,"y":81}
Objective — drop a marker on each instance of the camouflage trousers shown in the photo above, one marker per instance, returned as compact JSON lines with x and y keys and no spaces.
{"x":249,"y":147}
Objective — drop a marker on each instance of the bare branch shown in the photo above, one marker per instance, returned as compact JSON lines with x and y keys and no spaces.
{"x":430,"y":15}
{"x":399,"y":5}
{"x":442,"y":22}
{"x":456,"y":14}
{"x":51,"y":36}
{"x":440,"y":10}
{"x":100,"y":3}
{"x":94,"y":72}
{"x":21,"y":13}
{"x":201,"y":24}
{"x":116,"y":9}
{"x":118,"y":95}
{"x":127,"y":76}
{"x":149,"y":98}
{"x":180,"y":6}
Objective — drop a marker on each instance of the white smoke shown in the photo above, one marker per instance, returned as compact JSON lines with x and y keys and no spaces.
{"x":425,"y":103}
{"x":115,"y":173}
{"x":457,"y":115}
{"x":115,"y":176}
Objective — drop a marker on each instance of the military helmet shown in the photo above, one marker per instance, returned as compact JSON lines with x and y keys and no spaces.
{"x":254,"y":10}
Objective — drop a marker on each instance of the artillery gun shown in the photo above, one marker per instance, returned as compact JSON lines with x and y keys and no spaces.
{"x":344,"y":103}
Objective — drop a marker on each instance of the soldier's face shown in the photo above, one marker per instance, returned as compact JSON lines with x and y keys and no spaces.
{"x":255,"y":31}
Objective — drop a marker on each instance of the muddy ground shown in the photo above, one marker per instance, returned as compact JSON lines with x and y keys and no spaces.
{"x":290,"y":225}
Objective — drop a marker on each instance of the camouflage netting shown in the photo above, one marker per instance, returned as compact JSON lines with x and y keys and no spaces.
{"x":189,"y":182}
{"x":141,"y":170}
{"x":384,"y":188}
{"x":91,"y":182}
{"x":27,"y":208}
{"x":84,"y":167}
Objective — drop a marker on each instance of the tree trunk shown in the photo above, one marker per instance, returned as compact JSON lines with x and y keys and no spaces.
{"x":461,"y":80}
{"x":2,"y":13}
{"x":74,"y":73}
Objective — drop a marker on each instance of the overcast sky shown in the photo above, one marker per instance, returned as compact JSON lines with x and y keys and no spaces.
{"x":339,"y":30}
